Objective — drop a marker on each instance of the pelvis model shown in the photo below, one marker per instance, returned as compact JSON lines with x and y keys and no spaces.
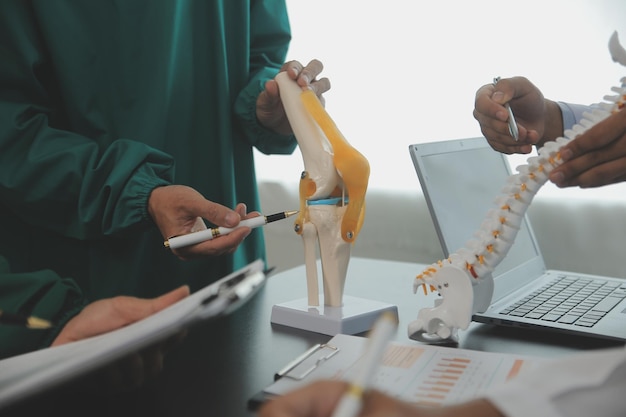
{"x":332,"y":191}
{"x":455,"y":278}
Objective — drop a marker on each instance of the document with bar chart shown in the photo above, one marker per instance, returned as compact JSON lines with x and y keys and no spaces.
{"x":420,"y":374}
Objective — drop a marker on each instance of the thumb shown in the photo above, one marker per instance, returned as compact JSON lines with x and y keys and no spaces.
{"x":272,"y":91}
{"x":499,"y":97}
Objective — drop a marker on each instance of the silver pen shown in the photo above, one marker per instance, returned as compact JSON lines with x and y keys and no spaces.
{"x":511,"y":121}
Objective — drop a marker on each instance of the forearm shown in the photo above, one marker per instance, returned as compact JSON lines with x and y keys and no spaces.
{"x":475,"y":408}
{"x":270,"y":35}
{"x":553,"y":122}
{"x":61,"y":170}
{"x":79,"y":191}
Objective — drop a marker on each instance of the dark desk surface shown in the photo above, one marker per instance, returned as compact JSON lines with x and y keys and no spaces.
{"x":220,"y":365}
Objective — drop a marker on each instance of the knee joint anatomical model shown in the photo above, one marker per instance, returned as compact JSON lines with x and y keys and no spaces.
{"x":332,"y":191}
{"x":455,"y":277}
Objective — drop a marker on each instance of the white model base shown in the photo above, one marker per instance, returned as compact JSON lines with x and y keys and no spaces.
{"x":357,"y":315}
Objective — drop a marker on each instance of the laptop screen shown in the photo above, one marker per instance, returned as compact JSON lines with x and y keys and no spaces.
{"x":461,"y":180}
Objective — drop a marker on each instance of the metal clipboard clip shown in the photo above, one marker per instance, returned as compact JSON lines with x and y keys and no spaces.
{"x":230,"y":293}
{"x":306,"y":363}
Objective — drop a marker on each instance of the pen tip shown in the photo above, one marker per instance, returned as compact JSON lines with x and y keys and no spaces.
{"x":291,"y":213}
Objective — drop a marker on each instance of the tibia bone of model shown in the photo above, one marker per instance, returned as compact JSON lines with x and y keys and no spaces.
{"x":490,"y":244}
{"x":332,"y":191}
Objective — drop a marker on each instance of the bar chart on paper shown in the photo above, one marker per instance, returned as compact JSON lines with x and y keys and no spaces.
{"x":436,"y":376}
{"x":420,"y":374}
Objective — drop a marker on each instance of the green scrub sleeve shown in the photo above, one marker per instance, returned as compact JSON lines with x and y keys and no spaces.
{"x":270,"y":34}
{"x":70,"y":184}
{"x":75,"y":187}
{"x":42,"y":294}
{"x":263,"y":139}
{"x":78,"y":185}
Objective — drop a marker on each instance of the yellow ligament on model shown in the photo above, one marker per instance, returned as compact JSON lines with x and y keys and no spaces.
{"x":351,"y":165}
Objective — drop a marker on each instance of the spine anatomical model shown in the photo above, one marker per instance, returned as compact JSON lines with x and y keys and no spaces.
{"x":455,"y":277}
{"x":332,"y":191}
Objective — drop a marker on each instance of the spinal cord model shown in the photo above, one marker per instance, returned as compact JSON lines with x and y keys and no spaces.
{"x":332,"y":191}
{"x":454,"y":278}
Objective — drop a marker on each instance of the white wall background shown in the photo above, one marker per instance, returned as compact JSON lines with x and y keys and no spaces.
{"x":406,"y":71}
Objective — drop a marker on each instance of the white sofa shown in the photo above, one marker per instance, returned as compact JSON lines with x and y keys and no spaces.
{"x":575,"y":235}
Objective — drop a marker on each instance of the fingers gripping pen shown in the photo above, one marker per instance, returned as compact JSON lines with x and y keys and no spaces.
{"x":350,"y":404}
{"x":209,"y":234}
{"x":511,"y":120}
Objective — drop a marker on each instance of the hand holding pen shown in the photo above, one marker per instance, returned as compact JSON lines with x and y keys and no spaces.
{"x":494,"y":105}
{"x":511,"y":120}
{"x":177,"y":209}
{"x":209,"y":234}
{"x":351,"y":402}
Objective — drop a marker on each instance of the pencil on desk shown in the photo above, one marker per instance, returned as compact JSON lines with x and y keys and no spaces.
{"x":25,"y":321}
{"x":350,"y":404}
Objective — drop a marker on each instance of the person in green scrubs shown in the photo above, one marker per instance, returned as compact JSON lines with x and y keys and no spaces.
{"x":78,"y":320}
{"x":123,"y":122}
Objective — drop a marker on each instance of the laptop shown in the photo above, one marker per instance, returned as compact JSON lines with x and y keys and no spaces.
{"x":460,"y":180}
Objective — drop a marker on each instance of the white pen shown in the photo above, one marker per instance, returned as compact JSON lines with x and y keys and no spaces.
{"x":512,"y":123}
{"x":350,"y":403}
{"x":208,"y":234}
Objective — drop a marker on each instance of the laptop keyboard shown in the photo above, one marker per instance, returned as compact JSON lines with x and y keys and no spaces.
{"x":570,"y":300}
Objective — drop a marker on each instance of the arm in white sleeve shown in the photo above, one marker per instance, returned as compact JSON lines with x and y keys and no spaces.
{"x":572,"y":113}
{"x":580,"y":385}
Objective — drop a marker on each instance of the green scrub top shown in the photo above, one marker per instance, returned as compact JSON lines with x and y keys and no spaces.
{"x":40,"y":294}
{"x":100,"y":102}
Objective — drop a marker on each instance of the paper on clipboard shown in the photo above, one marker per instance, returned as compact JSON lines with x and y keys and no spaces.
{"x":33,"y":372}
{"x":420,"y":374}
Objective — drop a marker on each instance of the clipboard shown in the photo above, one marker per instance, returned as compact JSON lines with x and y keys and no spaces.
{"x":33,"y":372}
{"x":428,"y":375}
{"x":298,"y":369}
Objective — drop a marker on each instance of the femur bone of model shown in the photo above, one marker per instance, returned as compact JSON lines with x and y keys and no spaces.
{"x":332,"y":191}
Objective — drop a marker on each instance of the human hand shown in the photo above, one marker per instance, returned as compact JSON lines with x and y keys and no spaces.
{"x":269,"y":107}
{"x":110,"y":314}
{"x":596,"y":157}
{"x":178,"y":210}
{"x":538,"y":119}
{"x":319,"y":399}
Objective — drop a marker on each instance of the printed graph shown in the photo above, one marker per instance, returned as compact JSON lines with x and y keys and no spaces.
{"x":435,"y":377}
